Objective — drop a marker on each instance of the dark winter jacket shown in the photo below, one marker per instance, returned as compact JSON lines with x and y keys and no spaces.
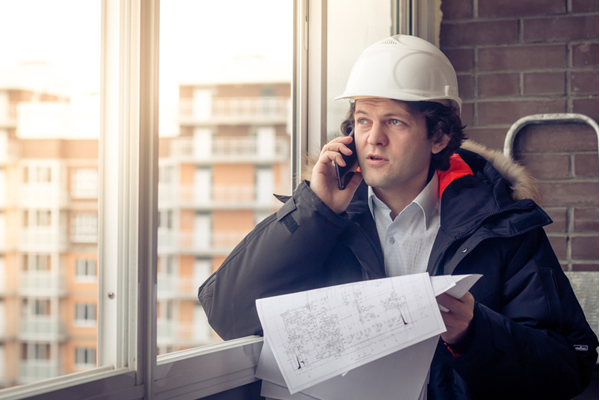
{"x":530,"y":338}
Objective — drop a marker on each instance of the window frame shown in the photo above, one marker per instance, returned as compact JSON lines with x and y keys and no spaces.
{"x":128,"y":367}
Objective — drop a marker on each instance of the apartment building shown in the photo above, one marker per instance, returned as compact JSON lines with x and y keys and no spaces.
{"x":216,"y":181}
{"x":48,"y":243}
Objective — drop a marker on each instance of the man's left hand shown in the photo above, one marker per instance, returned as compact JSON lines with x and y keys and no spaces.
{"x":458,"y":317}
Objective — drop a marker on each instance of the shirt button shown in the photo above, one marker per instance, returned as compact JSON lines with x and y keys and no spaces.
{"x":392,"y":240}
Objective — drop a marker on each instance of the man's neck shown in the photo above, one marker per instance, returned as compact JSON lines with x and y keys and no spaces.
{"x":397,"y":199}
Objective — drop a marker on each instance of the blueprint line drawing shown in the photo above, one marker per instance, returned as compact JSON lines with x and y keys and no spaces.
{"x":321,"y":333}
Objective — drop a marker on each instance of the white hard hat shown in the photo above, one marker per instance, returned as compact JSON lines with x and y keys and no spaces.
{"x":403,"y":67}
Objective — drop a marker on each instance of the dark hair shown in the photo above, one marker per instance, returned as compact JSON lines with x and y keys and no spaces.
{"x":440,"y":120}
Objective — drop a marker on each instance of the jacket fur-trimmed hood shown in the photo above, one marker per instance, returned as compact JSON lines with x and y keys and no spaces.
{"x":522,"y":183}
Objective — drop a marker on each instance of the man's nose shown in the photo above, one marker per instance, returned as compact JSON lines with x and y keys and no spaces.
{"x":377,"y":135}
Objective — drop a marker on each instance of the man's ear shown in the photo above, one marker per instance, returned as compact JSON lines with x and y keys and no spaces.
{"x":440,"y":144}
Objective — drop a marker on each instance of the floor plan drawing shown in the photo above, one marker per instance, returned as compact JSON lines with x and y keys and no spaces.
{"x":321,"y":333}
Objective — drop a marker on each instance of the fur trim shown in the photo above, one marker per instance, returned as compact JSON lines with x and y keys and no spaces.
{"x":523,"y":184}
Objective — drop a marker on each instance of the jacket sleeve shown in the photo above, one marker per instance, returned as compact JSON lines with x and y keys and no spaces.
{"x":535,"y":343}
{"x":284,"y":253}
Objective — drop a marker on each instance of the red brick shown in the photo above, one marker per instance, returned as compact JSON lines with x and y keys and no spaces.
{"x":559,"y":245}
{"x":585,"y":219}
{"x":585,"y":54}
{"x":507,"y":112}
{"x":535,"y":83}
{"x":465,"y":86}
{"x":584,"y":82}
{"x":546,"y":165}
{"x":586,"y":165}
{"x":578,"y":6}
{"x":586,"y":106}
{"x":466,"y":115}
{"x":479,"y":33}
{"x":556,"y":137}
{"x":559,"y":220}
{"x":585,"y":267}
{"x":584,"y":248}
{"x":522,"y":57}
{"x":496,"y":85}
{"x":560,"y":28}
{"x":512,"y":8}
{"x":492,"y":138}
{"x":565,"y":193}
{"x":457,"y":9}
{"x":463,"y":60}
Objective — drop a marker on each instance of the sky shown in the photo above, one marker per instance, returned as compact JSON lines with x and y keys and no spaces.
{"x":196,"y":36}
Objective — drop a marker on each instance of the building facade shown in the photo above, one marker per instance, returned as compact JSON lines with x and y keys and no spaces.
{"x":217,"y":177}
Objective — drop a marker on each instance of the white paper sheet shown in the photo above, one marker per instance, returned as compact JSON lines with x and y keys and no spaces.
{"x":318,"y":334}
{"x":410,"y":366}
{"x":400,"y":375}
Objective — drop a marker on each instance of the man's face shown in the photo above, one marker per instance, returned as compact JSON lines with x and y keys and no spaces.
{"x":392,"y":146}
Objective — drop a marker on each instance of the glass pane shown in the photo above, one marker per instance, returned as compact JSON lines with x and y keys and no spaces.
{"x":348,"y":34}
{"x":225,"y":100}
{"x":49,"y":125}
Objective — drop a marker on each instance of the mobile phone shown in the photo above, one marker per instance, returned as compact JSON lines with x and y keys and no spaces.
{"x":344,"y":174}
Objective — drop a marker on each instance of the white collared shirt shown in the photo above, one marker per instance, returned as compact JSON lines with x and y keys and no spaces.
{"x":408,"y":239}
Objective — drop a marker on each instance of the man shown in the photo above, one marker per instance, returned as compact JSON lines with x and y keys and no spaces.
{"x":419,"y":203}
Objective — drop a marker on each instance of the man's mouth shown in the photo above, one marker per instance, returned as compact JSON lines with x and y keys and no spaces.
{"x":375,"y":157}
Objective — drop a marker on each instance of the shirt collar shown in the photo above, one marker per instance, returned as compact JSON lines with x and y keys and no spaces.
{"x":428,"y":200}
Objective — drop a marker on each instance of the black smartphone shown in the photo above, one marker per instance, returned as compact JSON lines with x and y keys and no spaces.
{"x":344,"y":174}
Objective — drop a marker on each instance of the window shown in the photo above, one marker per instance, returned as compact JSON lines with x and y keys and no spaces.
{"x":84,"y":228}
{"x":127,"y":155}
{"x":85,"y":314}
{"x":85,"y":270}
{"x":84,"y":183}
{"x":85,"y":357}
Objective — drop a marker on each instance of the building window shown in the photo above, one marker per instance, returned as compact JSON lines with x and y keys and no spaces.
{"x":84,"y":183}
{"x":35,"y":351}
{"x":35,"y":307}
{"x":37,"y":174}
{"x":84,"y":228}
{"x":85,"y":269}
{"x":85,"y":314}
{"x":85,"y":357}
{"x":36,"y":262}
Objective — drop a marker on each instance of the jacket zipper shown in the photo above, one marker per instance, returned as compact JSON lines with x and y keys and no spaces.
{"x":470,"y":232}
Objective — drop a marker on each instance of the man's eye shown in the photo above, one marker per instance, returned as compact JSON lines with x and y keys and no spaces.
{"x":362,"y":121}
{"x":396,"y":122}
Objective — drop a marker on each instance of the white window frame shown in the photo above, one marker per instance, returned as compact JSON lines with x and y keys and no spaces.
{"x":128,"y":178}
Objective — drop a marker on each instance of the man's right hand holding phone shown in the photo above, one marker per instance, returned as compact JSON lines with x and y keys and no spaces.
{"x":324,"y":181}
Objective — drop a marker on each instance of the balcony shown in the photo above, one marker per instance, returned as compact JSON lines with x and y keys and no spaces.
{"x":172,"y":286}
{"x":41,"y":328}
{"x":217,"y":197}
{"x":237,"y":110}
{"x":41,"y":283}
{"x":8,"y":116}
{"x":43,"y":239}
{"x":231,"y":150}
{"x":36,"y":370}
{"x":42,"y":195}
{"x":223,"y":242}
{"x":9,"y":151}
{"x":169,"y":332}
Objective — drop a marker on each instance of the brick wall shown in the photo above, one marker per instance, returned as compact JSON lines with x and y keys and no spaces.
{"x":516,"y":58}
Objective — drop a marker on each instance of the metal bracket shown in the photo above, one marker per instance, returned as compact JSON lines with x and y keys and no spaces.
{"x":543,"y":118}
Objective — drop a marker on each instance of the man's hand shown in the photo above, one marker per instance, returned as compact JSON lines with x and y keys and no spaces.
{"x":324,"y":182}
{"x":458,"y":317}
